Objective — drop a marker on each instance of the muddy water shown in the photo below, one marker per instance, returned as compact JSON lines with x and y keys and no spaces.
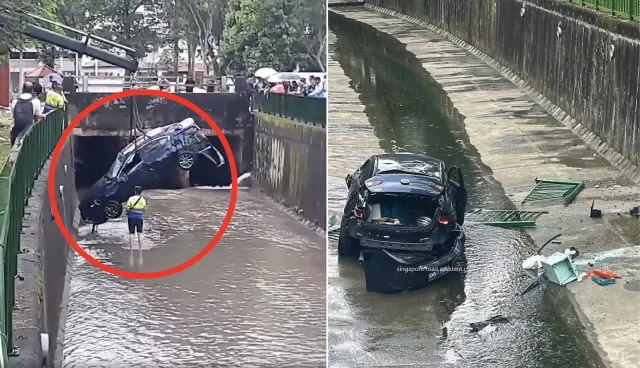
{"x":407,"y":112}
{"x":256,"y":299}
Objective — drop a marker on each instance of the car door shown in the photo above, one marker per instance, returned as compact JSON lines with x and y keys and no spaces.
{"x":357,"y":181}
{"x":155,"y":161}
{"x":458,"y":192}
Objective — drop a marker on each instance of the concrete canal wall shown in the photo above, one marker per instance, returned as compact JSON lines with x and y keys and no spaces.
{"x":44,"y":266}
{"x":289,"y":165}
{"x":563,"y":52}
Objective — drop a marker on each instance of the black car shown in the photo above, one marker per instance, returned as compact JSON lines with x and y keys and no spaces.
{"x":148,"y":162}
{"x":404,"y":216}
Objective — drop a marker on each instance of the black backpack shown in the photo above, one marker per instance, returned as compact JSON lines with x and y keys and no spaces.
{"x":23,"y":113}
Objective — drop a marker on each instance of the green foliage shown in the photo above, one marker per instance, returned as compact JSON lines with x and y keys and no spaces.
{"x":118,"y":21}
{"x":15,"y":17}
{"x":271,"y":33}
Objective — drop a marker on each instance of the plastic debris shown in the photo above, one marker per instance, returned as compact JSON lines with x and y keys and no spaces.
{"x":594,"y":212}
{"x":581,"y":276}
{"x":601,"y":281}
{"x":635,"y":211}
{"x":559,"y":269}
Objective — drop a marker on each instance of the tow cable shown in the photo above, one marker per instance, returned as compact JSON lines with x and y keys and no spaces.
{"x":134,"y":118}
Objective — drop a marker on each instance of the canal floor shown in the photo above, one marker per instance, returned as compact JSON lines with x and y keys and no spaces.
{"x":382,"y":102}
{"x":255,"y":300}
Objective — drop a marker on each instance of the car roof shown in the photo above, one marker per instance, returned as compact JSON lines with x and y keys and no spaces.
{"x":156,"y":132}
{"x":410,"y":163}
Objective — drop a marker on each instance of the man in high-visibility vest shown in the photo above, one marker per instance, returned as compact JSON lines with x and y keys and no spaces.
{"x":136,"y":206}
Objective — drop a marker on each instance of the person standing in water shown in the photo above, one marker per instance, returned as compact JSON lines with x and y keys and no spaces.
{"x":136,"y":206}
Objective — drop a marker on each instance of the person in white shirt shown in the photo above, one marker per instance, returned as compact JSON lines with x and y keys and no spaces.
{"x":26,"y":110}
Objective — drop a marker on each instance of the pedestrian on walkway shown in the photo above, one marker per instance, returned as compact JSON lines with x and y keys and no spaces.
{"x":26,"y":111}
{"x":136,"y":206}
{"x":51,"y":99}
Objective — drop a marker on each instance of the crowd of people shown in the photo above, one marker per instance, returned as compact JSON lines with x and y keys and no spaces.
{"x":314,"y":87}
{"x":32,"y":104}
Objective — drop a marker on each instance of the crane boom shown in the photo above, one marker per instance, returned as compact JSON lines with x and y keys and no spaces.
{"x":78,"y":46}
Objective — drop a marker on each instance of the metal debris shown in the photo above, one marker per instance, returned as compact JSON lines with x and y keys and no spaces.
{"x":554,"y":189}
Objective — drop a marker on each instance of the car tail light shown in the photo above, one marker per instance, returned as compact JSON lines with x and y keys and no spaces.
{"x":358,"y":213}
{"x":445,"y":220}
{"x":373,"y":183}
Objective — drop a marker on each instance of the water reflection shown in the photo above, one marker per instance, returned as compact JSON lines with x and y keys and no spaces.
{"x":252,"y":301}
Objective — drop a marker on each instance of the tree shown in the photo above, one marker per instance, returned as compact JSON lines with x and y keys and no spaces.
{"x":274,"y":33}
{"x":15,"y":17}
{"x":133,"y":23}
{"x":208,"y":17}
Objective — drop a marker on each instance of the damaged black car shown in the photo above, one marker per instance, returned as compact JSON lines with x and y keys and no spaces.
{"x":148,"y":162}
{"x":403,"y":218}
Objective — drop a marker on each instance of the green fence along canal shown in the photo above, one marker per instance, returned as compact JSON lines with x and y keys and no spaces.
{"x":17,"y":176}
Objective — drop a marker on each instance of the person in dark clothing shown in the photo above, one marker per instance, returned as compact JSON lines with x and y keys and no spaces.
{"x":98,"y":215}
{"x":189,"y":84}
{"x":26,"y":111}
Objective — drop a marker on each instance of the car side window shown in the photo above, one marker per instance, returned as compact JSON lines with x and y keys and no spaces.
{"x":131,"y":164}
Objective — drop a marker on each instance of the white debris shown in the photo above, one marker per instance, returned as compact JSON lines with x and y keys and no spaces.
{"x":581,"y":276}
{"x":533,"y":262}
{"x":487,"y":330}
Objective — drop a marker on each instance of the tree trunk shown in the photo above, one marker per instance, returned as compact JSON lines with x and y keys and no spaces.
{"x":176,"y":56}
{"x":192,"y":57}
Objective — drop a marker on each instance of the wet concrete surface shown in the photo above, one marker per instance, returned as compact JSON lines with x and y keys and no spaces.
{"x":382,"y":102}
{"x":257,"y":299}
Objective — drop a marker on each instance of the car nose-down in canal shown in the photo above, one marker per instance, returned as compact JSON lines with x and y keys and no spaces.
{"x":147,"y":162}
{"x":404,"y":215}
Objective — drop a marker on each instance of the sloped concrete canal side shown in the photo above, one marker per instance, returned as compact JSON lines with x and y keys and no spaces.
{"x":254,"y":300}
{"x":519,"y":141}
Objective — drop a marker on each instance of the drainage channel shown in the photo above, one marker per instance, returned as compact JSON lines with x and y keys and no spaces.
{"x":409,"y":112}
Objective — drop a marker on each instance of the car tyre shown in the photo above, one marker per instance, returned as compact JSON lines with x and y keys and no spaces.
{"x":347,"y":245}
{"x":186,"y":160}
{"x":113,"y":209}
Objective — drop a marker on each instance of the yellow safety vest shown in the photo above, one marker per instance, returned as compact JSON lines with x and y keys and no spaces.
{"x":54,"y":99}
{"x":140,"y":206}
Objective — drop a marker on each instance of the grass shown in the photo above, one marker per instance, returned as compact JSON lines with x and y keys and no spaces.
{"x":5,"y":143}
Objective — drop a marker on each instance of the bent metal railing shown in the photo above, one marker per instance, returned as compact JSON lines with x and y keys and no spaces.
{"x":310,"y":110}
{"x":17,"y":177}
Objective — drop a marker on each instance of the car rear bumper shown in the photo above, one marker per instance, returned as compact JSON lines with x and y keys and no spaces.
{"x":390,"y":271}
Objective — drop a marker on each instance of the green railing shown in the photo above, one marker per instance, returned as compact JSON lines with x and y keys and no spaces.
{"x":17,"y":177}
{"x":310,"y":110}
{"x":629,"y":9}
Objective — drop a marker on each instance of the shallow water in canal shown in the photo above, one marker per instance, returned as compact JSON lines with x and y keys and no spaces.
{"x":430,"y":327}
{"x":255,"y":300}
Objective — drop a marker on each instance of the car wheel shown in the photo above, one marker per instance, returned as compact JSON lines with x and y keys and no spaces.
{"x":113,"y":209}
{"x":186,"y":160}
{"x":347,"y":245}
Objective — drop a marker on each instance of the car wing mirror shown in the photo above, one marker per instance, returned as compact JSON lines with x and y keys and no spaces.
{"x":349,"y":180}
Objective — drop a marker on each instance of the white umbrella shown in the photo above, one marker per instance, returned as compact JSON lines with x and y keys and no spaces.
{"x":283,"y":77}
{"x":265,"y":72}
